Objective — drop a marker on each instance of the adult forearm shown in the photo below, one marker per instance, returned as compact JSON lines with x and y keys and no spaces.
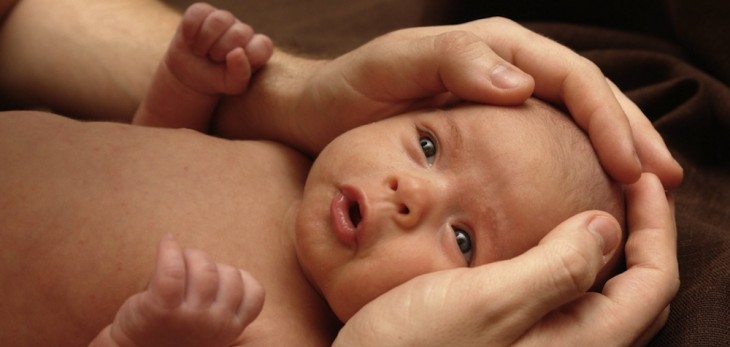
{"x":86,"y":58}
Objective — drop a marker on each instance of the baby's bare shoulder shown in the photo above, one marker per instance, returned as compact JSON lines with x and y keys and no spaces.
{"x":44,"y":134}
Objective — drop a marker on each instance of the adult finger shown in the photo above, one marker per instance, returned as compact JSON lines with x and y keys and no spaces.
{"x":650,"y":147}
{"x":654,"y":328}
{"x":562,"y":76}
{"x":652,"y":275}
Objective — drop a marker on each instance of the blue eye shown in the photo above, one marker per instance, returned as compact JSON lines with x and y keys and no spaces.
{"x":429,"y":148}
{"x":463,"y":241}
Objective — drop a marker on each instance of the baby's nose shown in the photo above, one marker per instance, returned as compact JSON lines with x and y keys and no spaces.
{"x":413,"y":198}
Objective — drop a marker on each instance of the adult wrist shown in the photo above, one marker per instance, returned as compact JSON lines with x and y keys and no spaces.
{"x":268,"y":108}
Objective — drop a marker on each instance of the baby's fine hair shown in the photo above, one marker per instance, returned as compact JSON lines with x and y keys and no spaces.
{"x":587,"y":185}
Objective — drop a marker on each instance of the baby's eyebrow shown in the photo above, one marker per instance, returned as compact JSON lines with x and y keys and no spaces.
{"x":455,"y":138}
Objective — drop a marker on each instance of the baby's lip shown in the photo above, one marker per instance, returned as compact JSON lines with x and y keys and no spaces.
{"x":348,"y":214}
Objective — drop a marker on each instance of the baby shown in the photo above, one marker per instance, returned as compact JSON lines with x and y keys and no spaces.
{"x":381,"y":204}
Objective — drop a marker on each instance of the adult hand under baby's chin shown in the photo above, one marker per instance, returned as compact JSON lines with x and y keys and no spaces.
{"x":500,"y":303}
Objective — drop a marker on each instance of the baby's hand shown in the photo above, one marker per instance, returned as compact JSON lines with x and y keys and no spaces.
{"x":215,"y":53}
{"x":191,"y":301}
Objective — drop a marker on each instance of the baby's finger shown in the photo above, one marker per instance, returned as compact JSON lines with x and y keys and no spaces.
{"x":253,"y":298}
{"x":259,"y":50}
{"x":230,"y":289}
{"x":202,"y":278}
{"x":237,"y":35}
{"x":213,"y":27}
{"x":237,"y":72}
{"x":168,"y":281}
{"x":193,"y":19}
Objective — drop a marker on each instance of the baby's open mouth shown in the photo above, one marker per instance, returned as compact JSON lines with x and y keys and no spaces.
{"x":355,"y":215}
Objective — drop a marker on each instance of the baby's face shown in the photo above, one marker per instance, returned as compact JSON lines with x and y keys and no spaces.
{"x":424,"y":192}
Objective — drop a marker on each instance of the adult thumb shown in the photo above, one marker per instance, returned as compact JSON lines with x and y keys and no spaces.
{"x":471,"y":70}
{"x":562,"y":267}
{"x":457,"y":63}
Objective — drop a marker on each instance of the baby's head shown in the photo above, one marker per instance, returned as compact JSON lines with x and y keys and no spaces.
{"x":434,"y":190}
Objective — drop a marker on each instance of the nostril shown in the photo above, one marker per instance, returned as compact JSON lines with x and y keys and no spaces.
{"x":403,"y":209}
{"x":393,"y":184}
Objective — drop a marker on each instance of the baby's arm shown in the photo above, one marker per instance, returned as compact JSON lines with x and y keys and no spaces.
{"x":190,"y":301}
{"x":212,"y":53}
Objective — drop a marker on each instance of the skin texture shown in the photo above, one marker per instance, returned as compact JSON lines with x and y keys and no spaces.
{"x":115,"y":80}
{"x":162,"y":182}
{"x":555,"y":310}
{"x":495,"y":177}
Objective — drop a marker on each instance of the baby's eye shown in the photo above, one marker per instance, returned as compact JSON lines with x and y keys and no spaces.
{"x":428,"y":146}
{"x":463,"y":240}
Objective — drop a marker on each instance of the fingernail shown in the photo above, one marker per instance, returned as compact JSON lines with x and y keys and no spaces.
{"x":506,"y":77}
{"x":606,"y":232}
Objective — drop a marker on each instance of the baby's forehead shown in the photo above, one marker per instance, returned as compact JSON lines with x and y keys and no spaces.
{"x":534,"y":121}
{"x":532,"y":137}
{"x":533,"y":112}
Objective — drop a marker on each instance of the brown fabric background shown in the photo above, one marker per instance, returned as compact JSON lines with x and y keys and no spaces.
{"x":672,"y":57}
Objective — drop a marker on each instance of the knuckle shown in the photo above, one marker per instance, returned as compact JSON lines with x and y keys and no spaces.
{"x":590,"y":66}
{"x":172,"y":272}
{"x":231,"y":275}
{"x":573,"y":270}
{"x":199,"y":8}
{"x":209,"y":270}
{"x":395,"y":35}
{"x":503,"y":21}
{"x":242,"y":31}
{"x":221,"y":19}
{"x":458,"y":47}
{"x":454,"y":40}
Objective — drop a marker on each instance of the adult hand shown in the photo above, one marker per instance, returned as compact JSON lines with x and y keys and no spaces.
{"x":307,"y":103}
{"x":540,"y":298}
